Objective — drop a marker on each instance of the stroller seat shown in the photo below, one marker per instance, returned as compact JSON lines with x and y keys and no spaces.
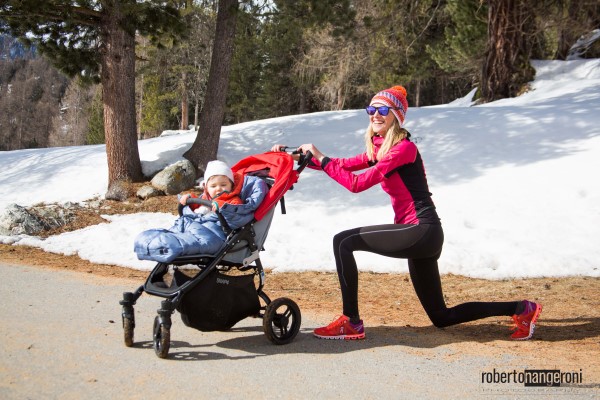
{"x":239,"y":255}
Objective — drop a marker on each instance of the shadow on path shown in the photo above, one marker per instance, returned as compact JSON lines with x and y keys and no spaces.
{"x":428,"y":337}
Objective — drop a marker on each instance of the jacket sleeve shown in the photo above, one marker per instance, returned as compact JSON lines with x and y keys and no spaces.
{"x":402,"y":153}
{"x":253,"y":193}
{"x":356,"y":163}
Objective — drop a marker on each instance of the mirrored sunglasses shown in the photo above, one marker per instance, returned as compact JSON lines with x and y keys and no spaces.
{"x":383,"y":110}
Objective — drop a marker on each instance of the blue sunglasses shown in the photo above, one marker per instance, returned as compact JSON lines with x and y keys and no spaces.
{"x":383,"y":110}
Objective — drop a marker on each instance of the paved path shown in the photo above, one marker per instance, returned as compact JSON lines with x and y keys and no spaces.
{"x":62,"y":339}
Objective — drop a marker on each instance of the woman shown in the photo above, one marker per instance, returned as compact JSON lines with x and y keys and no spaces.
{"x":394,"y":162}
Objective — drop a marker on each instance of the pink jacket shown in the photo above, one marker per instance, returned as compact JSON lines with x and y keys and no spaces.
{"x":401,"y":174}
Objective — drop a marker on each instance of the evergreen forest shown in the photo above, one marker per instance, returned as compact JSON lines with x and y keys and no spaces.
{"x":290,"y":57}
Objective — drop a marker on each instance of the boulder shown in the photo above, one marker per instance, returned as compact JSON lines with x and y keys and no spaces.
{"x":16,"y":220}
{"x":175,"y":178}
{"x":119,"y":191}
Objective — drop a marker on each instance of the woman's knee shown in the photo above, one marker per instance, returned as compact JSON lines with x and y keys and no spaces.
{"x":337,"y":239}
{"x":342,"y":242}
{"x":439,"y":318}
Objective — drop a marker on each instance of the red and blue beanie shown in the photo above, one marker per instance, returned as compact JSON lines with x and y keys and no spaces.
{"x":394,"y":97}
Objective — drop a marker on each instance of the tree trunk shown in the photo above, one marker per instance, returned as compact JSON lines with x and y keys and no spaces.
{"x":185,"y":117}
{"x":418,"y":94}
{"x":118,"y":96}
{"x":302,"y":107}
{"x":206,"y":145}
{"x":340,"y":97}
{"x":140,"y":108}
{"x":196,"y":111}
{"x":506,"y":67}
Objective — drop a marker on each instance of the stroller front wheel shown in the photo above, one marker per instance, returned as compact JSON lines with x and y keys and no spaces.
{"x":162,"y":338}
{"x":281,"y":321}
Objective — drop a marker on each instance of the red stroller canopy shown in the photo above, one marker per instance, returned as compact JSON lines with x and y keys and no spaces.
{"x":277,"y":165}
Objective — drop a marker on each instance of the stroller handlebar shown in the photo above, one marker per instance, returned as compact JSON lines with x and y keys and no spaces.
{"x":290,"y":149}
{"x":197,"y":200}
{"x":304,"y":158}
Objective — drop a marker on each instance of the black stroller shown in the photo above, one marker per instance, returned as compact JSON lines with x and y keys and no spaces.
{"x":218,"y":290}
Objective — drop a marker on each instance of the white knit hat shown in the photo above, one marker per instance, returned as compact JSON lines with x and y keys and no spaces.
{"x":217,"y":168}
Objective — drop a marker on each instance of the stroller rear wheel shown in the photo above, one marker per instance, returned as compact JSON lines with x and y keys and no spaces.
{"x":128,"y":327}
{"x":281,"y":321}
{"x":162,"y":338}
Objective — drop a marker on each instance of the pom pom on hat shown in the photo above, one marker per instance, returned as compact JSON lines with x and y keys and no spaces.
{"x":394,"y":97}
{"x":217,"y":168}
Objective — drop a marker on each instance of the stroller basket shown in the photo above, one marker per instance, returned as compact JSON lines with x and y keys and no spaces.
{"x":219,"y":301}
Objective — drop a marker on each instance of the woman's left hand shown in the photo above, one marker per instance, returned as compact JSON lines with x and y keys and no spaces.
{"x":315,"y":152}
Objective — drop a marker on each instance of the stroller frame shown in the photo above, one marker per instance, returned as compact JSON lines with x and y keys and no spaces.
{"x":281,"y":317}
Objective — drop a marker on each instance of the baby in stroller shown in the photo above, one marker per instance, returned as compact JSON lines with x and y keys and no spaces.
{"x":213,"y":298}
{"x":220,"y":186}
{"x":199,"y":231}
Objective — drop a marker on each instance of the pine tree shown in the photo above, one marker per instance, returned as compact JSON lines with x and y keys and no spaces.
{"x":206,"y":144}
{"x":404,"y":29}
{"x":247,"y":74}
{"x":506,"y":67}
{"x":461,"y":52}
{"x":155,"y":112}
{"x":95,"y":129}
{"x":285,"y":92}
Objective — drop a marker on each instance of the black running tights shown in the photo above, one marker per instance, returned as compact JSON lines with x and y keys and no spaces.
{"x":422,"y":246}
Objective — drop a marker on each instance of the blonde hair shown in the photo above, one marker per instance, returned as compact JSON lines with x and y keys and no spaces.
{"x":394,"y":135}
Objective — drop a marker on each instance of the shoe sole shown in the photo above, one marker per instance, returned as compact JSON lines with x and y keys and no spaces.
{"x":538,"y":311}
{"x":341,"y":337}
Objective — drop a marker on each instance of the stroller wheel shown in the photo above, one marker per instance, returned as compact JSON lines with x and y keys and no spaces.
{"x":162,"y":338}
{"x":281,"y":321}
{"x":128,"y":326}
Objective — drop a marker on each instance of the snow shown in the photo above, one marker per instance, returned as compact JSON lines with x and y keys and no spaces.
{"x":514,"y":182}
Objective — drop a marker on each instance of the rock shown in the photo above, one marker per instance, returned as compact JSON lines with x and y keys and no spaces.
{"x":54,"y":216}
{"x":94,"y":204}
{"x":118,"y":191}
{"x":175,"y":178}
{"x":147,"y":191}
{"x":16,"y":220}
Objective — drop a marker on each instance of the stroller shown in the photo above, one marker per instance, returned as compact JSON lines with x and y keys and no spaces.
{"x":222,"y":289}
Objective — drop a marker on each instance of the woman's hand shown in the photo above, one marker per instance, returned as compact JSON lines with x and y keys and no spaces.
{"x":283,"y":147}
{"x":278,"y":147}
{"x":315,"y":152}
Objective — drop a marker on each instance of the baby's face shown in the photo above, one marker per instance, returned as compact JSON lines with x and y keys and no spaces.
{"x":218,"y":184}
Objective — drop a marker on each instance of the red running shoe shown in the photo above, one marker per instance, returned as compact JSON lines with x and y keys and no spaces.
{"x":341,"y":329}
{"x":524,"y":323}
